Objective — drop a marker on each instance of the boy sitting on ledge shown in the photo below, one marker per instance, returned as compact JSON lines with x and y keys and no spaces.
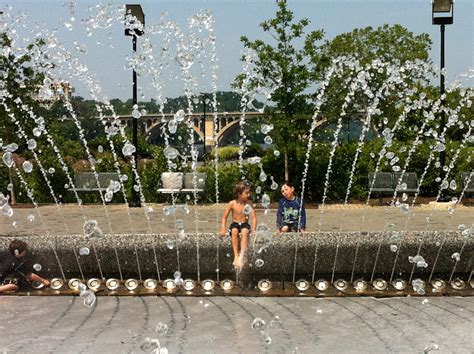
{"x":241,"y":211}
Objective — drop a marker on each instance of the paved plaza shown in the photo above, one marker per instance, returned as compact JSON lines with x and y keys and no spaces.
{"x":69,"y":218}
{"x":224,"y":325}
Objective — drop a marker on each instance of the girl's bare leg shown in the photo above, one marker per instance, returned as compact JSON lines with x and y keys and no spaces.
{"x":235,"y":245}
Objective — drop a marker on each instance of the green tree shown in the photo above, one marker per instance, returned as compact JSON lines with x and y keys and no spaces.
{"x":389,"y":44}
{"x":283,"y":67}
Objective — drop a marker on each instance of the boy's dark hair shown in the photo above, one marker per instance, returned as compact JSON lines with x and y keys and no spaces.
{"x":289,"y":184}
{"x":239,"y":188}
{"x":17,"y":246}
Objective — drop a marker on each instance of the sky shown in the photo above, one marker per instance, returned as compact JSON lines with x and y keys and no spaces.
{"x":106,"y":58}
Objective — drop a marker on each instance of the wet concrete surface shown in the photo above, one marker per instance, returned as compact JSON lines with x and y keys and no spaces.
{"x":224,"y":324}
{"x":114,"y":219}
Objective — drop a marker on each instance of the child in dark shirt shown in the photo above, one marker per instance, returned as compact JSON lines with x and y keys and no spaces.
{"x":11,"y":268}
{"x":289,"y":207}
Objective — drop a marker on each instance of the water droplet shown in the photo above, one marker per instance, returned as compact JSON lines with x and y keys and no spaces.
{"x":30,"y":217}
{"x":8,"y":159}
{"x":128,"y":149}
{"x":405,"y":207}
{"x":266,"y":337}
{"x":170,"y":153}
{"x":276,"y":153}
{"x":31,"y":144}
{"x":268,"y":140}
{"x":247,"y":209}
{"x":439,"y":147}
{"x":84,"y":251}
{"x":136,"y":114}
{"x":37,"y":132}
{"x":100,"y":148}
{"x":7,"y":210}
{"x":393,"y":248}
{"x":254,"y":160}
{"x":257,"y":323}
{"x":453,"y":185}
{"x":172,"y":126}
{"x":259,"y":263}
{"x":89,"y":297}
{"x":265,"y":200}
{"x":161,"y":328}
{"x":170,"y":243}
{"x":262,"y":176}
{"x":180,"y":115}
{"x":456,"y":256}
{"x":37,"y":267}
{"x":430,"y":347}
{"x":150,"y":345}
{"x":27,"y":166}
{"x":108,"y":195}
{"x":89,"y":227}
{"x":266,"y":128}
{"x":276,"y":322}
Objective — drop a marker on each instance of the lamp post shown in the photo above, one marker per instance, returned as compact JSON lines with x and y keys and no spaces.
{"x":134,"y":30}
{"x":442,"y":14}
{"x":204,"y":103}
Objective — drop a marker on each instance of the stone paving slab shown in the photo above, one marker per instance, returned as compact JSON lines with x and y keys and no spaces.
{"x":224,"y":325}
{"x":69,"y":219}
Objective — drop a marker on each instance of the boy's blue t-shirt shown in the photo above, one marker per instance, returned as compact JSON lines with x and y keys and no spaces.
{"x":288,"y":212}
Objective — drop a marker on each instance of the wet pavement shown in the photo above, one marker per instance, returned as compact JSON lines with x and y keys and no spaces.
{"x":224,"y":324}
{"x":119,"y":219}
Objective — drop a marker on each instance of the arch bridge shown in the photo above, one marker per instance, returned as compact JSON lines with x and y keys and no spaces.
{"x":203,"y":124}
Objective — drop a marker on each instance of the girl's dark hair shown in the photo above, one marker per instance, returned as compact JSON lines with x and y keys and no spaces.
{"x":289,"y":184}
{"x":239,"y":188}
{"x":17,"y":246}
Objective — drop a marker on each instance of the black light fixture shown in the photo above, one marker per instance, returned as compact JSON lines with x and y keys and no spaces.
{"x":442,"y":14}
{"x":134,"y":29}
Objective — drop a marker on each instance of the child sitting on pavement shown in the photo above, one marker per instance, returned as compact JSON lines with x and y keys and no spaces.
{"x":11,"y":268}
{"x":288,"y":214}
{"x":241,"y":211}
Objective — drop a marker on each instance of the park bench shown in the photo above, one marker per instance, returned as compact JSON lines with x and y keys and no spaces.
{"x":175,"y":182}
{"x":386,"y":182}
{"x":465,"y":178}
{"x":86,"y":181}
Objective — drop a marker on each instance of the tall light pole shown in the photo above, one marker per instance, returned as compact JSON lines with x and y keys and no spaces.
{"x":442,"y":14}
{"x":204,"y":106}
{"x":134,"y":30}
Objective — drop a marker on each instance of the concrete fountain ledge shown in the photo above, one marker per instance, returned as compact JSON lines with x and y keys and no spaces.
{"x":306,"y":255}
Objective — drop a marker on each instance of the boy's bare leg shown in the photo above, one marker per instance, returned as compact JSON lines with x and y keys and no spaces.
{"x":243,"y":245}
{"x":284,"y":228}
{"x":8,"y":287}
{"x":235,"y":245}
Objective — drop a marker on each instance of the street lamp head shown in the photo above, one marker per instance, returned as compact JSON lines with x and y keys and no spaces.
{"x":443,"y":12}
{"x":134,"y":20}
